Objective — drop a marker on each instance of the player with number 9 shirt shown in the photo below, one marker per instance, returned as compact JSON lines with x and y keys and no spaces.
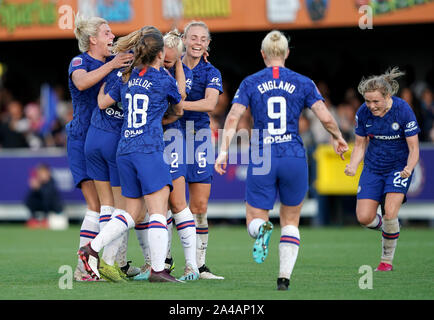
{"x":276,"y":96}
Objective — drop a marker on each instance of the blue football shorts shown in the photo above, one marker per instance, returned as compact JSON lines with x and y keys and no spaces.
{"x":200,"y":167}
{"x":287,"y":176}
{"x":100,"y":151}
{"x":376,"y":185}
{"x":143,"y":173}
{"x":174,"y":154}
{"x":77,"y":160}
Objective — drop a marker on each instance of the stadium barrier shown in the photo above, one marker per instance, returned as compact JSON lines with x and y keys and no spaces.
{"x":227,"y":192}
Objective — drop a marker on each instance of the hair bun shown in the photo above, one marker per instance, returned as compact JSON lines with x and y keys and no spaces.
{"x":275,"y":36}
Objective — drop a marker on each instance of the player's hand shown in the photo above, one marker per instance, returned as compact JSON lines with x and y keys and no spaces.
{"x":221,"y":162}
{"x":121,"y":60}
{"x":349,"y":170}
{"x":406,"y":172}
{"x":205,"y":56}
{"x":340,"y":146}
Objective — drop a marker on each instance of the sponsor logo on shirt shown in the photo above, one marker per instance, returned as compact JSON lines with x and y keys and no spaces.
{"x":278,"y":139}
{"x":397,"y":136}
{"x":114,"y":113}
{"x":215,"y":81}
{"x":132,"y":133}
{"x":411,"y":126}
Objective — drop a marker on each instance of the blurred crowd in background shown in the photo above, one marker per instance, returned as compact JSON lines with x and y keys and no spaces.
{"x":41,"y":122}
{"x":30,"y":125}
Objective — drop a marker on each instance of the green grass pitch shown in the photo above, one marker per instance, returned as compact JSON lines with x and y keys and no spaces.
{"x":327,"y":267}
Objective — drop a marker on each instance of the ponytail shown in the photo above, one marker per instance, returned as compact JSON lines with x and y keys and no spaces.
{"x":145,"y":50}
{"x":386,"y":83}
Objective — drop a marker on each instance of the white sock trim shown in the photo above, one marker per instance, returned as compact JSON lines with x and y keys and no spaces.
{"x":253,"y":227}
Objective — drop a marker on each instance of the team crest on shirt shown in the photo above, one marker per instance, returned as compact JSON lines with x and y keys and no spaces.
{"x":395,"y":126}
{"x":76,"y":62}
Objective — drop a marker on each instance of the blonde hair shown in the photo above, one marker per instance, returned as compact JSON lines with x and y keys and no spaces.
{"x":86,"y":28}
{"x":145,"y":50}
{"x":195,"y":23}
{"x":275,"y":44}
{"x":172,"y":39}
{"x":385,"y":83}
{"x":128,"y":42}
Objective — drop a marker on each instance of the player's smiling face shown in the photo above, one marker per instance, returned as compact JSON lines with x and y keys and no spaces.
{"x":376,"y":103}
{"x":104,"y":40}
{"x":196,"y":41}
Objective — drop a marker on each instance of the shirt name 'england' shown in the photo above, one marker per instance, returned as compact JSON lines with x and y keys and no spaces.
{"x":272,"y":85}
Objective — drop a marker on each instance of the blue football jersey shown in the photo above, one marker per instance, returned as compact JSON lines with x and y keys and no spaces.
{"x":205,"y":75}
{"x":111,"y":118}
{"x":276,"y":97}
{"x":188,"y":83}
{"x":83,"y":102}
{"x":387,"y":149}
{"x":145,"y":98}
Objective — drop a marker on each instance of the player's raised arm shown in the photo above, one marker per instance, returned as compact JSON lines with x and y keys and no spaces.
{"x":206,"y":104}
{"x":329,"y":123}
{"x":104,"y":100}
{"x":84,"y":80}
{"x":231,"y":123}
{"x":357,"y":155}
{"x":413,"y":156}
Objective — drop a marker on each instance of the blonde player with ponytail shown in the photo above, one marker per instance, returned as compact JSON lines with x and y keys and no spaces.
{"x":387,"y":141}
{"x":145,"y":91}
{"x":86,"y":74}
{"x":195,"y":123}
{"x":175,"y":146}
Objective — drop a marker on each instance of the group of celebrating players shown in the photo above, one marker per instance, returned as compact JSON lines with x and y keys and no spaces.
{"x":141,"y":105}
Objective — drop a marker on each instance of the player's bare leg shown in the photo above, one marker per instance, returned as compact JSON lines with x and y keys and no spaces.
{"x":366,"y":211}
{"x":260,"y":229}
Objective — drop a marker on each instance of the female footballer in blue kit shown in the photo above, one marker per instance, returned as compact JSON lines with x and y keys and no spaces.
{"x":86,"y":72}
{"x":175,"y":146}
{"x":276,"y":96}
{"x":145,"y":93}
{"x":387,"y":140}
{"x":174,"y":151}
{"x":202,"y":98}
{"x":107,"y":266}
